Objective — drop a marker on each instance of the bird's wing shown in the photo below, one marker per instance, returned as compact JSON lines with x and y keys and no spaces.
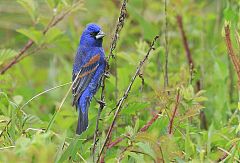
{"x":82,"y":78}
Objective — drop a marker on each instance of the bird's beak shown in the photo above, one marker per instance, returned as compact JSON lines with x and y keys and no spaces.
{"x":100,"y":34}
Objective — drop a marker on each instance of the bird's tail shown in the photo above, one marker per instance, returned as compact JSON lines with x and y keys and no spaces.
{"x":82,"y":121}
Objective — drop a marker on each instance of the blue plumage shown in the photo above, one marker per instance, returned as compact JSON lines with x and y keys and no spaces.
{"x":88,"y":69}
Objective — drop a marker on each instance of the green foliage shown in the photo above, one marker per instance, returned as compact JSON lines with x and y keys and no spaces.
{"x":6,"y":54}
{"x":34,"y":131}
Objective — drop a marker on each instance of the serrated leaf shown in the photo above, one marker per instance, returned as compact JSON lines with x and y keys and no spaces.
{"x":6,"y":54}
{"x":30,"y":6}
{"x":32,"y":119}
{"x":52,"y":35}
{"x":137,"y":157}
{"x":129,"y":130}
{"x":4,"y":103}
{"x":33,"y":34}
{"x":51,"y":3}
{"x":146,"y":148}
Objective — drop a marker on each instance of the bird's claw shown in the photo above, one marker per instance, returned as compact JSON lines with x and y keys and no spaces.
{"x":102,"y":103}
{"x":107,"y":75}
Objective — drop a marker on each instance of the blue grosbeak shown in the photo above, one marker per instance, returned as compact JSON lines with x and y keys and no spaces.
{"x":88,"y":69}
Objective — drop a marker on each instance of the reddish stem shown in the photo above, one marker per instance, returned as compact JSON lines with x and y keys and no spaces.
{"x":174,"y":112}
{"x":143,"y":129}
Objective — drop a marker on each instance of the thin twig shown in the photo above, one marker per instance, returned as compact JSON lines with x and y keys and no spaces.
{"x":122,"y":152}
{"x":174,"y":112}
{"x":191,"y":66}
{"x":124,"y":97}
{"x":5,"y":128}
{"x":119,"y":26}
{"x":30,"y":42}
{"x":187,"y":50}
{"x":61,"y":104}
{"x":143,"y":129}
{"x":154,"y":118}
{"x":14,"y":61}
{"x":166,"y":46}
{"x":41,"y":93}
{"x":77,"y":153}
{"x":226,"y":154}
{"x":231,"y":53}
{"x":114,"y":143}
{"x":185,"y":42}
{"x":9,"y":147}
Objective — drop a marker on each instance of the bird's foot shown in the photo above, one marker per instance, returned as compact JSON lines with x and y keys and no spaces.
{"x":102,"y":103}
{"x":107,"y":74}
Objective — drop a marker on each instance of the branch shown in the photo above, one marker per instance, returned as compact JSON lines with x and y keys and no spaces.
{"x":231,"y":53}
{"x":166,"y":46}
{"x":54,"y":21}
{"x":121,"y":101}
{"x":191,"y":66}
{"x":143,"y":129}
{"x":154,"y":118}
{"x":226,"y":154}
{"x":5,"y":128}
{"x":185,"y":42}
{"x":174,"y":112}
{"x":119,"y":26}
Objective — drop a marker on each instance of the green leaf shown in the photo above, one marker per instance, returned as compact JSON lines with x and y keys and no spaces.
{"x":230,"y":15}
{"x":17,"y":99}
{"x":134,"y":107}
{"x":137,"y":157}
{"x":22,"y":144}
{"x":30,"y":6}
{"x":51,"y":3}
{"x":6,"y":54}
{"x":52,"y":35}
{"x":4,"y":103}
{"x":33,"y":34}
{"x":144,"y":24}
{"x":146,"y":148}
{"x":71,"y":150}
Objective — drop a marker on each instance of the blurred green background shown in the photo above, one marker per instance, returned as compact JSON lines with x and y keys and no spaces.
{"x":48,"y":63}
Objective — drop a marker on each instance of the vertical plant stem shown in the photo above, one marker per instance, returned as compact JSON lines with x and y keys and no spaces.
{"x":143,"y":129}
{"x":61,"y":104}
{"x":124,"y":97}
{"x":185,"y":42}
{"x":191,"y":66}
{"x":231,"y":53}
{"x":116,"y":77}
{"x":166,"y":46}
{"x":119,"y":26}
{"x":174,"y":112}
{"x":97,"y":122}
{"x":231,"y":80}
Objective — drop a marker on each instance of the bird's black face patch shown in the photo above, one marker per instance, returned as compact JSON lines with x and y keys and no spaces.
{"x":94,"y":34}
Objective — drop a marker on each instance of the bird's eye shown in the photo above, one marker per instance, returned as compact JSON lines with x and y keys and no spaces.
{"x":93,"y":34}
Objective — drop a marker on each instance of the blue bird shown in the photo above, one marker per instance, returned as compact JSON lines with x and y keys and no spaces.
{"x":88,"y":69}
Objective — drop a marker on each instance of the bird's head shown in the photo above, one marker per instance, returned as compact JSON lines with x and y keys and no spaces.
{"x":92,"y":36}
